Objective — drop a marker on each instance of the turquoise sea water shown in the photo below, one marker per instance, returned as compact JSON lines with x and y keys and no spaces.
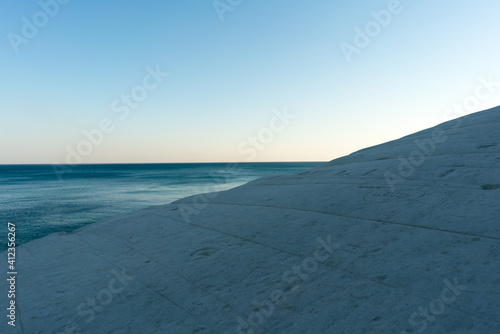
{"x":41,"y":200}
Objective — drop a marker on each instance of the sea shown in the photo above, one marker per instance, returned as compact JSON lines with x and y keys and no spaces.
{"x":43,"y":199}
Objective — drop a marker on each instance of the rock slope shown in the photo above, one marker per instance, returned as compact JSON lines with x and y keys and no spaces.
{"x":403,"y":237}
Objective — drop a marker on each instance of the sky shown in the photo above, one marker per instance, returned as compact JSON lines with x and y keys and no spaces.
{"x":236,"y":80}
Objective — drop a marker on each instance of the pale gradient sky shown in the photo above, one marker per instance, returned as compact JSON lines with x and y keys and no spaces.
{"x":226,"y":77}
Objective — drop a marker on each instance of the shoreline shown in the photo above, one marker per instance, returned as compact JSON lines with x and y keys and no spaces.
{"x":42,"y":205}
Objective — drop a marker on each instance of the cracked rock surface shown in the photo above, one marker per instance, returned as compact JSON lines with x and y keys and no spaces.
{"x":403,"y":237}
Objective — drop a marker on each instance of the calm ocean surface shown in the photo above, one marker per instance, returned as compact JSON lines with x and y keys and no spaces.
{"x":39,"y":202}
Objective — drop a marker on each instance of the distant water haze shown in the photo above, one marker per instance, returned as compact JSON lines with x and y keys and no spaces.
{"x":40,"y":202}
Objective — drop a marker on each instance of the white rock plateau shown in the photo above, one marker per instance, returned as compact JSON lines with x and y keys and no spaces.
{"x":403,"y":237}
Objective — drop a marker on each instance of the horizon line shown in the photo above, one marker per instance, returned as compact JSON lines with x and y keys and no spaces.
{"x":158,"y":163}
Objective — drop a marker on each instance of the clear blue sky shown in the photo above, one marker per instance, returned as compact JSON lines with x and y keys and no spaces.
{"x":227,"y":76}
